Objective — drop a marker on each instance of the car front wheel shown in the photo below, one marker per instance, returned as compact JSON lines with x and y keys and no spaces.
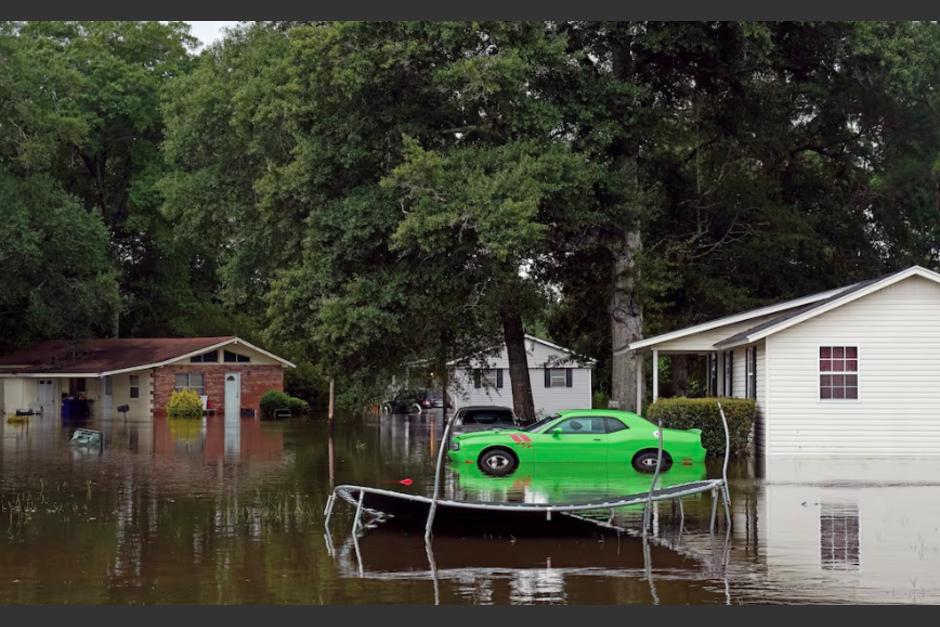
{"x":645,"y":461}
{"x":497,"y":462}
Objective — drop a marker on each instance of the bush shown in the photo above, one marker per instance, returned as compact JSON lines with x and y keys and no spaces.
{"x":274,"y":400}
{"x":184,"y":404}
{"x":600,"y":400}
{"x":702,"y":413}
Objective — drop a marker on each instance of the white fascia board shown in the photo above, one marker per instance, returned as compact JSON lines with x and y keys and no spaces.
{"x":741,"y":317}
{"x":848,"y":298}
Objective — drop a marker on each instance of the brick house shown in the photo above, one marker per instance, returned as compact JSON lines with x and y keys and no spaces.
{"x":229,"y":373}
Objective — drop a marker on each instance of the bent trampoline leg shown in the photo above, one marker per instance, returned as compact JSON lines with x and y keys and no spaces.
{"x":328,"y":512}
{"x":357,"y":521}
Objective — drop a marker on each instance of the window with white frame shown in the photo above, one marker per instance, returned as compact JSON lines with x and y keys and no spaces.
{"x":191,"y":381}
{"x":750,"y":363}
{"x":729,"y":373}
{"x":838,"y":372}
{"x":135,"y":386}
{"x":488,"y":378}
{"x":557,"y":377}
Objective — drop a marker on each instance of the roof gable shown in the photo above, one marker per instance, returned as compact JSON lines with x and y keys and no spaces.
{"x":101,"y":357}
{"x":847,"y":295}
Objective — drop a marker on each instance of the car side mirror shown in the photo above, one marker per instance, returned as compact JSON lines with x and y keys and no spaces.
{"x":556,"y":432}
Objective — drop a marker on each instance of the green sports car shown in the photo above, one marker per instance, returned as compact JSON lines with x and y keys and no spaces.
{"x":589,"y":435}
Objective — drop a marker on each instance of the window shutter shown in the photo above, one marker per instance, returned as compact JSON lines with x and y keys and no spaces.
{"x":567,"y":377}
{"x":499,"y":377}
{"x":548,"y":378}
{"x":476,"y":379}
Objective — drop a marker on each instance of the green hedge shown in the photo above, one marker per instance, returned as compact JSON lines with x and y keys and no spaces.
{"x":702,"y":413}
{"x":274,"y":400}
{"x":184,"y":404}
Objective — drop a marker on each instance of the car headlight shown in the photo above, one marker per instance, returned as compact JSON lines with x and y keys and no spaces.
{"x":454,"y":445}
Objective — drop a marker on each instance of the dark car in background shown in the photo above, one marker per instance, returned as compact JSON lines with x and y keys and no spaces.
{"x":483,"y":418}
{"x":414,"y":401}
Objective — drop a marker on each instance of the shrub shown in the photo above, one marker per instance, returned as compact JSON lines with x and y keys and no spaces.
{"x":298,"y":406}
{"x":273,"y":400}
{"x":600,"y":400}
{"x":702,"y":413}
{"x":184,"y":404}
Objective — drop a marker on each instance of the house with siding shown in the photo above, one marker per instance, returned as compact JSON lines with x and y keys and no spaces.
{"x":559,"y":378}
{"x":853,"y":371}
{"x":229,"y":373}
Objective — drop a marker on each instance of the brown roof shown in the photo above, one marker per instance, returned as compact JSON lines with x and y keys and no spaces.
{"x":102,"y":355}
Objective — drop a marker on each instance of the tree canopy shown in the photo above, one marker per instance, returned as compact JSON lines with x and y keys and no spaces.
{"x":374,"y":197}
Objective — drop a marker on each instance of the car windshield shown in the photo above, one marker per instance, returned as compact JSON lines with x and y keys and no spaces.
{"x":487,"y":417}
{"x":540,"y":423}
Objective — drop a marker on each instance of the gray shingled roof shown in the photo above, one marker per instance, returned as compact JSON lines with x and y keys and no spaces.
{"x":792,"y":313}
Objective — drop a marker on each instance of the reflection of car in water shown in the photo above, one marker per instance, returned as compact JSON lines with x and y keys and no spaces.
{"x":566,"y":482}
{"x":414,"y":401}
{"x":591,"y":435}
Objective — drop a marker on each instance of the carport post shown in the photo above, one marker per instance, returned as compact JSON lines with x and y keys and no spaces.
{"x":639,"y":384}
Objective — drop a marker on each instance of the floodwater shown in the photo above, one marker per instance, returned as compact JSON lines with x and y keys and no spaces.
{"x":182,"y":511}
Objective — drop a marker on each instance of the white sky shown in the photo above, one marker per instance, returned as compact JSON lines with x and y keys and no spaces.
{"x":208,"y":32}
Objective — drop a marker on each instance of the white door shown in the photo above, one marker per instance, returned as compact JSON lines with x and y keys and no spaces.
{"x":233,"y":393}
{"x":46,"y":396}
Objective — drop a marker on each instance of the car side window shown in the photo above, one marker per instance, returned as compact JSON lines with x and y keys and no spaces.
{"x":614,"y":425}
{"x":591,"y":425}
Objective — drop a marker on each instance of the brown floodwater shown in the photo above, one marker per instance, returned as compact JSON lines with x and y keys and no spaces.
{"x":209,"y":512}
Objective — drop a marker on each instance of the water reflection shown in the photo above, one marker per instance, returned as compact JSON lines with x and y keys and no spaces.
{"x":222,"y":511}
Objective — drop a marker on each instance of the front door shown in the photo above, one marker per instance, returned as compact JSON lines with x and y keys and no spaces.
{"x":575,"y":439}
{"x":233,"y":394}
{"x":46,"y":396}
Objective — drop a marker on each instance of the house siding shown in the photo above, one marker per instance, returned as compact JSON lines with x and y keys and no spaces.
{"x":897,"y":332}
{"x":256,"y":380}
{"x":546,"y":400}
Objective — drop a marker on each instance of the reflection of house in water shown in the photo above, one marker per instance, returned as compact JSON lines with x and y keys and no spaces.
{"x":218,"y":438}
{"x":862,"y":530}
{"x":838,"y":536}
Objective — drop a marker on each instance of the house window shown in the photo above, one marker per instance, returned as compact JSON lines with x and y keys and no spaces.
{"x":210,"y":357}
{"x":488,"y":378}
{"x":838,"y":372}
{"x":558,"y":377}
{"x":135,"y":386}
{"x":191,"y":381}
{"x":750,"y":363}
{"x":231,"y":357}
{"x":729,"y":373}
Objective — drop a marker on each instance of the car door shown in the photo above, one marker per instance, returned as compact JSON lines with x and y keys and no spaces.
{"x":622,"y":442}
{"x":577,"y":438}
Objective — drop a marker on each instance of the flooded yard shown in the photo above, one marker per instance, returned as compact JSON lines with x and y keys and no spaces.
{"x":201,"y":511}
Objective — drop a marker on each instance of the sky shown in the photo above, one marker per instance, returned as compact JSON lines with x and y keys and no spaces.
{"x":208,"y":32}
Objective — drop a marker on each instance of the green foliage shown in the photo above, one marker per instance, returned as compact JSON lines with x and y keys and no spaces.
{"x":184,"y":404}
{"x":702,"y":413}
{"x":600,"y":400}
{"x":274,"y":400}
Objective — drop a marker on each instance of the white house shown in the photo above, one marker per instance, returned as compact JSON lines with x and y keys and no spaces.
{"x":851,"y":371}
{"x":560,"y":379}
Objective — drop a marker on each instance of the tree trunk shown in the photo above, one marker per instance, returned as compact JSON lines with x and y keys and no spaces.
{"x":679,"y":374}
{"x":514,"y":334}
{"x":625,"y":310}
{"x":626,"y":322}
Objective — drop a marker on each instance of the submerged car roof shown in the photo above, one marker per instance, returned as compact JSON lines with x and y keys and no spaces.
{"x":485,"y":408}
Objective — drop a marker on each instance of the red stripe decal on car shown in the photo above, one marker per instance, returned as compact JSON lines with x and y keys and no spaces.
{"x":525,"y":438}
{"x":515,"y":438}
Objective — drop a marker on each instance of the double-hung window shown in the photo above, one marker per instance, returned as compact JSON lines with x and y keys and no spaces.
{"x":838,"y":372}
{"x":135,"y":386}
{"x":558,"y":377}
{"x":750,"y":363}
{"x":488,"y":378}
{"x":191,"y":381}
